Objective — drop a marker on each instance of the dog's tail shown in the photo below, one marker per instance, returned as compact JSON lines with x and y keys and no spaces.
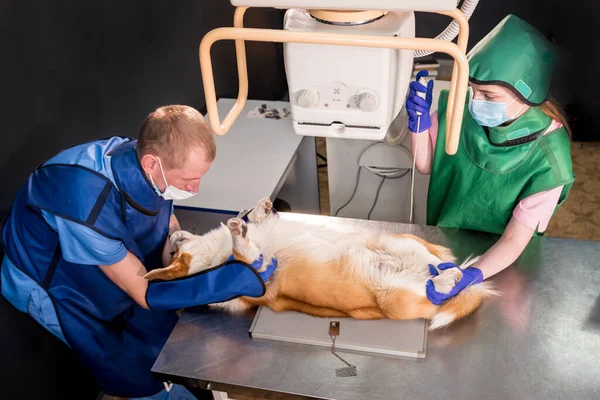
{"x":464,"y":303}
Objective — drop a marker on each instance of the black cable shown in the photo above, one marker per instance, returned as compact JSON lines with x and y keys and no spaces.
{"x":379,"y":188}
{"x":322,"y":158}
{"x":353,"y":193}
{"x":376,"y":197}
{"x":358,"y":180}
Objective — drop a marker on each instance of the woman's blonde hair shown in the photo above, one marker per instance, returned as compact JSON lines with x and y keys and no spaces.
{"x":553,"y":110}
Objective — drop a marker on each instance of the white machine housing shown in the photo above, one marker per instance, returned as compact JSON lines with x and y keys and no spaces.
{"x":342,"y":91}
{"x":384,"y":5}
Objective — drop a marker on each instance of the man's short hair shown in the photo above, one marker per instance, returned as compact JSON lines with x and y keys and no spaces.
{"x":170,"y":132}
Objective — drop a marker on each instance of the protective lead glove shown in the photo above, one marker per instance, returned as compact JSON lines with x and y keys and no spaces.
{"x":415,"y":104}
{"x":228,"y":281}
{"x":470,"y":276}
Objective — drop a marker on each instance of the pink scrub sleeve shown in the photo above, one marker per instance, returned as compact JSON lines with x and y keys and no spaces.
{"x":536,"y":210}
{"x":433,"y":132}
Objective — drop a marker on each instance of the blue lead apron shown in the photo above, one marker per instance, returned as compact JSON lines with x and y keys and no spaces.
{"x":115,"y":338}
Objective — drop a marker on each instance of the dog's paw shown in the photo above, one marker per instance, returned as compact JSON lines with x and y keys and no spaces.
{"x":178,"y":238}
{"x":263,"y":268}
{"x":265,"y":206}
{"x":446,"y":280}
{"x":237,"y":227}
{"x":261,"y":211}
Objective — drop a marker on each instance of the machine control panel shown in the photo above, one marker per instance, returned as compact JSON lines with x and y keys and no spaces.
{"x":337,"y":96}
{"x":367,"y":101}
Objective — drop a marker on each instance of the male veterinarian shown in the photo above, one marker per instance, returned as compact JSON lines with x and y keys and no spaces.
{"x":87,"y":225}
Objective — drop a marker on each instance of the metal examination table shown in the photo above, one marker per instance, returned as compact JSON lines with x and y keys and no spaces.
{"x":539,"y":340}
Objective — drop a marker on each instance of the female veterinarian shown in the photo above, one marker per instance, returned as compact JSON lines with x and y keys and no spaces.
{"x":85,"y":227}
{"x":513,"y":167}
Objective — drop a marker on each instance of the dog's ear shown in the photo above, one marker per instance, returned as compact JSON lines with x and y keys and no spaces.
{"x":180,"y":266}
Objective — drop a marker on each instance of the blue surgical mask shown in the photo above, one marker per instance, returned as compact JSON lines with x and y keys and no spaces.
{"x":490,"y":113}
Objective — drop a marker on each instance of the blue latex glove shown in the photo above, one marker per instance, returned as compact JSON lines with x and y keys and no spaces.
{"x":415,"y":103}
{"x":470,"y":276}
{"x":266,"y":274}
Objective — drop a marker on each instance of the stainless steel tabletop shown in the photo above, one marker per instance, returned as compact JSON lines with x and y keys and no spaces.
{"x":539,"y":340}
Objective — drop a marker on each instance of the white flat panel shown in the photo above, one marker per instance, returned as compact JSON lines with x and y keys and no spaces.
{"x":251,"y":160}
{"x":399,"y":338}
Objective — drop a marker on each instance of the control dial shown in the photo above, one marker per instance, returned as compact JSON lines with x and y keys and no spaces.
{"x":306,"y":98}
{"x":368,"y":101}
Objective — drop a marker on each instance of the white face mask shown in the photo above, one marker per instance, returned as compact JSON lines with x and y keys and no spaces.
{"x":171,"y":192}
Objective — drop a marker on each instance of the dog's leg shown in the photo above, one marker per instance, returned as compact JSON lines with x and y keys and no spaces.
{"x":180,"y":266}
{"x":408,"y":252}
{"x":446,"y":280}
{"x":243,"y":249}
{"x":180,"y":262}
{"x":261,"y":211}
{"x":367,"y":313}
{"x":178,"y":238}
{"x":281,"y":304}
{"x":402,"y":304}
{"x":441,"y":253}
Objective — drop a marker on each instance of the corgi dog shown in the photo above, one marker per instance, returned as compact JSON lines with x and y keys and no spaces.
{"x":327,"y":272}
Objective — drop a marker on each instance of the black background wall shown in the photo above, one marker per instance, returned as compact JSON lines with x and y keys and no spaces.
{"x":571,"y":26}
{"x":73,"y":71}
{"x":78,"y":70}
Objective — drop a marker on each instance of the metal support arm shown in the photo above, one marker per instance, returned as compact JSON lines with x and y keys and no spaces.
{"x":458,"y":84}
